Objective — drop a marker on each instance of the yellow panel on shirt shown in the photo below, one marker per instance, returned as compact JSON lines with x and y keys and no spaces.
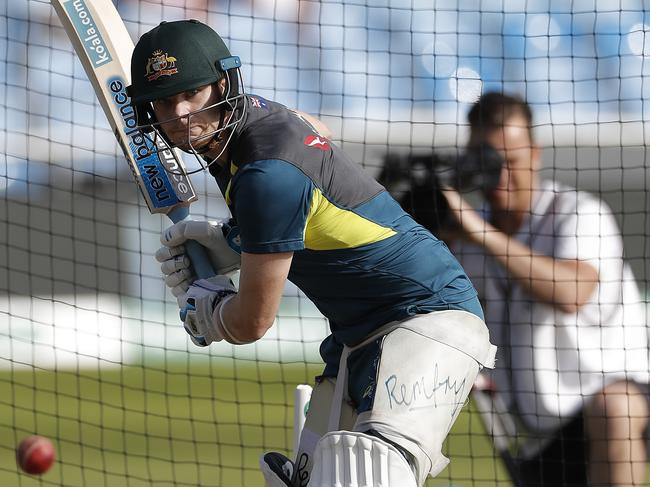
{"x":329,"y":227}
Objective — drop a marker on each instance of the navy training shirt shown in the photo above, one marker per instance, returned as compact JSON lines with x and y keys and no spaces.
{"x":358,"y":255}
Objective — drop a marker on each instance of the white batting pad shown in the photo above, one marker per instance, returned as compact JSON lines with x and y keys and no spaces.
{"x":347,"y":459}
{"x":427,"y":368}
{"x":320,"y":404}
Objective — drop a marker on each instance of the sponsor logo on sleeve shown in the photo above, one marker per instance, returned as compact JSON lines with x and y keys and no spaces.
{"x":317,"y":142}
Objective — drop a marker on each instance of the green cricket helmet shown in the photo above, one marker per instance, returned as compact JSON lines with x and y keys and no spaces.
{"x":181,"y":56}
{"x":175,"y":57}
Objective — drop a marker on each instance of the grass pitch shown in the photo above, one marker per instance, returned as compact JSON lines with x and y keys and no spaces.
{"x":180,"y":424}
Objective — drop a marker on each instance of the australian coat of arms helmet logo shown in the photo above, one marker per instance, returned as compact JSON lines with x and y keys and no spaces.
{"x":160,"y":64}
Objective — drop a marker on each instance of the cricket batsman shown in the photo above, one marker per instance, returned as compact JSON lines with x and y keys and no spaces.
{"x":407,"y":332}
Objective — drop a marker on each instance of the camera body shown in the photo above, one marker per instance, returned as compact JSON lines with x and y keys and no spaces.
{"x":415,"y":181}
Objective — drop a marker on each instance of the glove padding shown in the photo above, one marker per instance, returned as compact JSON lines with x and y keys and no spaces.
{"x":175,"y":263}
{"x":201,"y":309}
{"x":277,"y":470}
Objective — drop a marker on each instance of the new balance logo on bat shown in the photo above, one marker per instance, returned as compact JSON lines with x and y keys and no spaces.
{"x":160,"y":170}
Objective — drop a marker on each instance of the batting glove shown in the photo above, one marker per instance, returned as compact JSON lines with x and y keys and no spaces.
{"x":217,"y":237}
{"x":202,"y":309}
{"x":277,"y":469}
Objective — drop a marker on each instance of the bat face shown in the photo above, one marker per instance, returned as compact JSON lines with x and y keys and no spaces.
{"x":159,"y":169}
{"x":104,"y":48}
{"x":90,"y":34}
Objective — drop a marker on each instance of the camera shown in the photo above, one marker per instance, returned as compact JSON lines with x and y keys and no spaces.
{"x":415,"y":181}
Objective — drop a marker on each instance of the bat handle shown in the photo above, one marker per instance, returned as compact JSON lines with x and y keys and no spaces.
{"x":200,"y":261}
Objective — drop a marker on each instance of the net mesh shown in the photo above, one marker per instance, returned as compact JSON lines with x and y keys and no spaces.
{"x":91,"y":351}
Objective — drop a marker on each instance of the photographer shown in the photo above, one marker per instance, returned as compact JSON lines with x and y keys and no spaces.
{"x":560,"y":302}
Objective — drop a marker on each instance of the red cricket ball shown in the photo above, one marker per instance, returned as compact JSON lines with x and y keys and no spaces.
{"x":35,"y":454}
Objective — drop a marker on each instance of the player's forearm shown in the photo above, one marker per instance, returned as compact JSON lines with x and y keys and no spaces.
{"x":565,"y":284}
{"x":246,"y":324}
{"x":250,"y":314}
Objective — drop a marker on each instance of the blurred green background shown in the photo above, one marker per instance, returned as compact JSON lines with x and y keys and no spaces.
{"x":160,"y":424}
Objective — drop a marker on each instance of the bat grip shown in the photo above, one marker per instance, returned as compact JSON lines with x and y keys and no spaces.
{"x":200,"y":261}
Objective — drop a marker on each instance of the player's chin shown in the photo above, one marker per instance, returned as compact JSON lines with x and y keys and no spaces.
{"x":202,"y":142}
{"x":190,"y":148}
{"x":178,"y":142}
{"x":185,"y":144}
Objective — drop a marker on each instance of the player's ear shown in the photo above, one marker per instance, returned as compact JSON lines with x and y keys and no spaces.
{"x":221,"y":87}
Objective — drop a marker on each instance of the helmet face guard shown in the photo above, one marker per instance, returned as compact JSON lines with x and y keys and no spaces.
{"x":231,"y":110}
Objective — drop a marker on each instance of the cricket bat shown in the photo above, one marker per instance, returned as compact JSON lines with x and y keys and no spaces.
{"x":104,"y":48}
